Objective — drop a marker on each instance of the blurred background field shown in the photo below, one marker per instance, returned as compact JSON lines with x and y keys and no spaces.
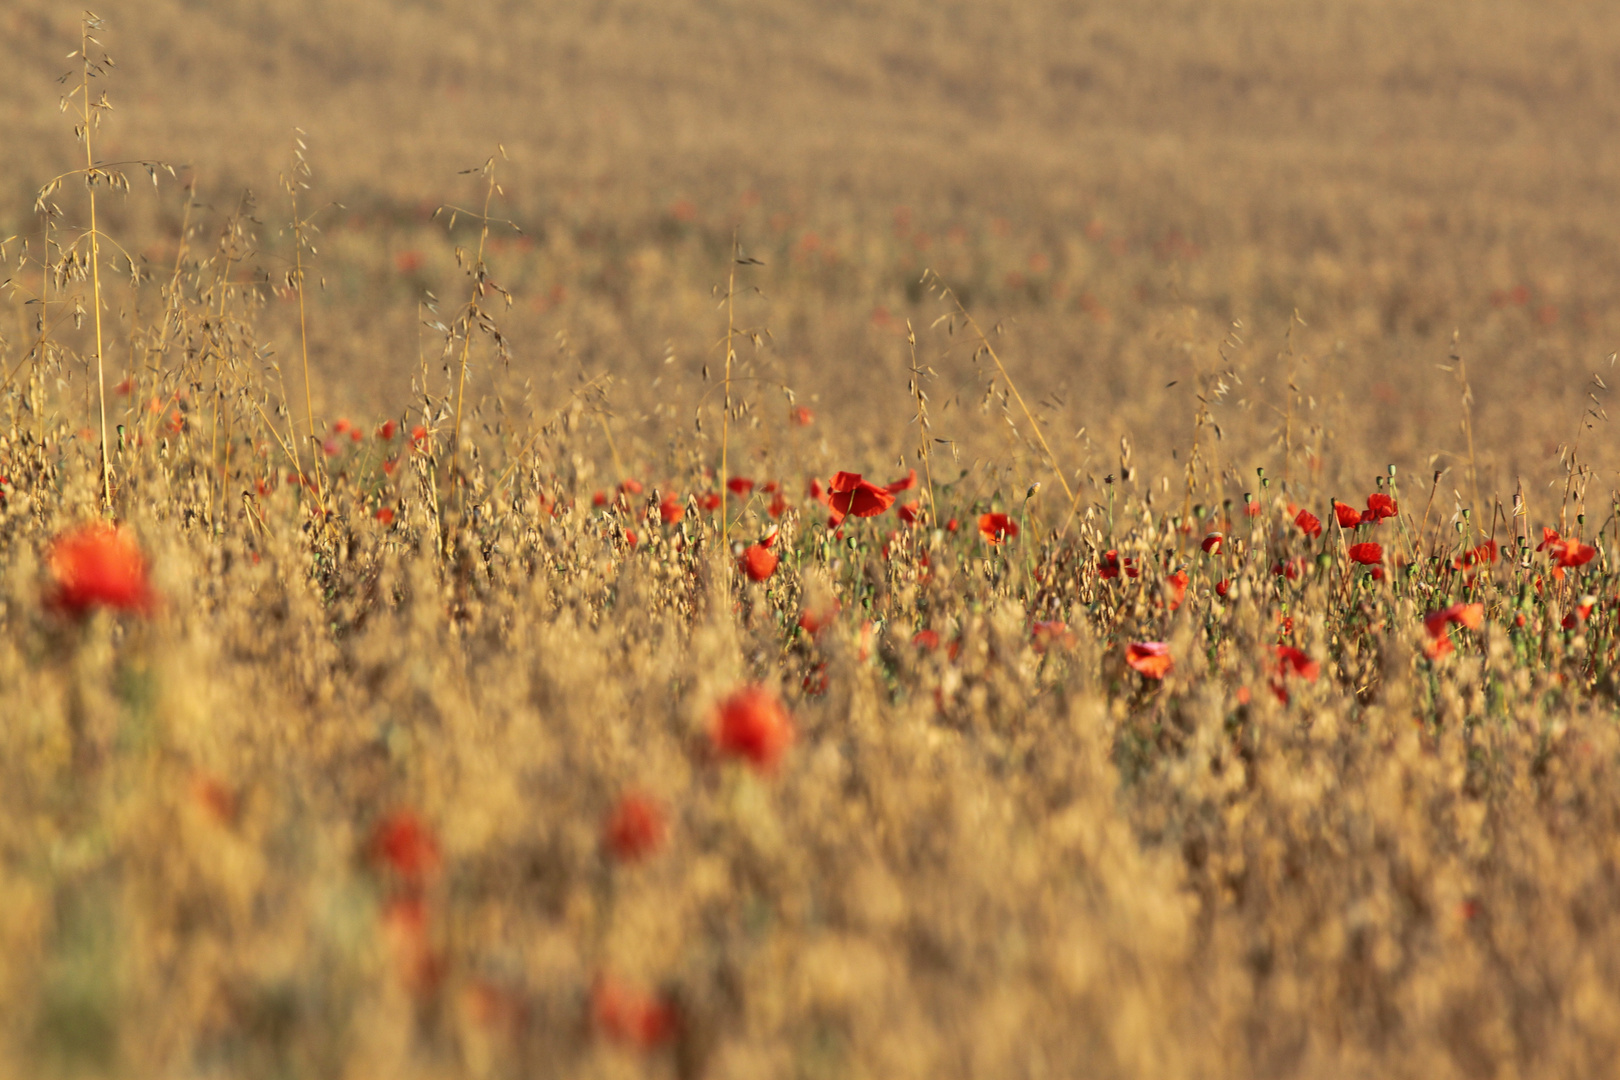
{"x":406,"y":761}
{"x":1114,"y":185}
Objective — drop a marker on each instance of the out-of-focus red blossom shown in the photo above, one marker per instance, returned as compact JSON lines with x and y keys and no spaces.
{"x":389,"y":466}
{"x":759,"y":562}
{"x":1176,"y":586}
{"x":1045,"y":634}
{"x":1212,"y":543}
{"x":670,"y":510}
{"x":356,"y":435}
{"x":1109,"y":566}
{"x":341,"y":426}
{"x":632,"y":1016}
{"x":778,"y":507}
{"x":849,"y":494}
{"x":1296,"y":663}
{"x":387,"y":430}
{"x":1565,"y":553}
{"x":635,"y":828}
{"x":1292,"y":662}
{"x":909,"y":512}
{"x":385,"y":515}
{"x":952,"y":525}
{"x":863,"y":648}
{"x":631,"y":486}
{"x":1366,"y":553}
{"x":1223,"y":587}
{"x":1483,"y":555}
{"x":630,"y":537}
{"x":815,"y":680}
{"x":215,"y":798}
{"x":905,"y":483}
{"x":925,"y":639}
{"x":1289,"y":569}
{"x":740,"y":486}
{"x":752,"y":724}
{"x":1471,"y":616}
{"x":1347,"y":516}
{"x":1308,"y":523}
{"x":599,"y":498}
{"x":419,"y":435}
{"x":403,"y":843}
{"x":997,"y":528}
{"x":1582,"y":612}
{"x":1150,"y":659}
{"x":709,"y":501}
{"x":818,"y":491}
{"x":802,"y":416}
{"x":1252,"y":508}
{"x":98,"y":565}
{"x":1379,"y":507}
{"x":815,"y":620}
{"x":422,"y":968}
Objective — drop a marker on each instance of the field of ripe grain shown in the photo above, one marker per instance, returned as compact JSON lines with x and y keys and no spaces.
{"x":716,"y":540}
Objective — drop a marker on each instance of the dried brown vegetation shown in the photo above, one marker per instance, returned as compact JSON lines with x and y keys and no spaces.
{"x":410,"y":760}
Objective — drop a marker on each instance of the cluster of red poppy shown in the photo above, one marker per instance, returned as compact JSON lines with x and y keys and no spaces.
{"x":404,"y":849}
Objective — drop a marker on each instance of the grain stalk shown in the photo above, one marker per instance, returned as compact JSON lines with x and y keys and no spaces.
{"x":916,"y":375}
{"x":949,"y":295}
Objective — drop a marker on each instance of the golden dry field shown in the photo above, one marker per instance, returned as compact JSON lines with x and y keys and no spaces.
{"x":705,"y":539}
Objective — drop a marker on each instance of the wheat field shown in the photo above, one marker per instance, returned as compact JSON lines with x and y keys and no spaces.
{"x":812,"y":540}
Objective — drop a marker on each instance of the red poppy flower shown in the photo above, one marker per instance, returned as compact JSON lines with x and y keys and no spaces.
{"x":1043,"y":635}
{"x":631,"y":487}
{"x":670,"y":510}
{"x":1212,"y":544}
{"x":635,"y":828}
{"x":421,"y":966}
{"x":803,"y":417}
{"x":214,"y":797}
{"x":632,"y":1016}
{"x":419,"y":436}
{"x":778,"y":506}
{"x":1109,"y":566}
{"x":997,"y":528}
{"x":759,"y":562}
{"x":356,"y":435}
{"x":952,"y":525}
{"x":1367,"y":554}
{"x":1572,"y":553}
{"x":402,"y":842}
{"x":850,"y":494}
{"x":340,"y":427}
{"x":1379,"y":507}
{"x":1252,"y":508}
{"x":815,"y":621}
{"x":909,"y":512}
{"x":385,"y":514}
{"x":1150,"y":659}
{"x":906,"y":483}
{"x":815,"y":680}
{"x":1347,"y":516}
{"x":1549,"y":537}
{"x":630,"y":537}
{"x":740,"y":486}
{"x":1176,"y":586}
{"x":709,"y":501}
{"x":753,"y":725}
{"x":1471,"y":616}
{"x":1295,"y":662}
{"x":387,"y":430}
{"x":599,"y":498}
{"x":925,"y":639}
{"x":818,"y":492}
{"x":1483,"y":555}
{"x":98,"y":565}
{"x":1582,"y":612}
{"x":1222,"y":588}
{"x":1309,"y":524}
{"x":1291,"y":569}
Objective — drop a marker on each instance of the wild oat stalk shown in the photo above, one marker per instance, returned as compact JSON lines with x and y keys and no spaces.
{"x":949,"y":295}
{"x":915,"y":376}
{"x":294,"y":180}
